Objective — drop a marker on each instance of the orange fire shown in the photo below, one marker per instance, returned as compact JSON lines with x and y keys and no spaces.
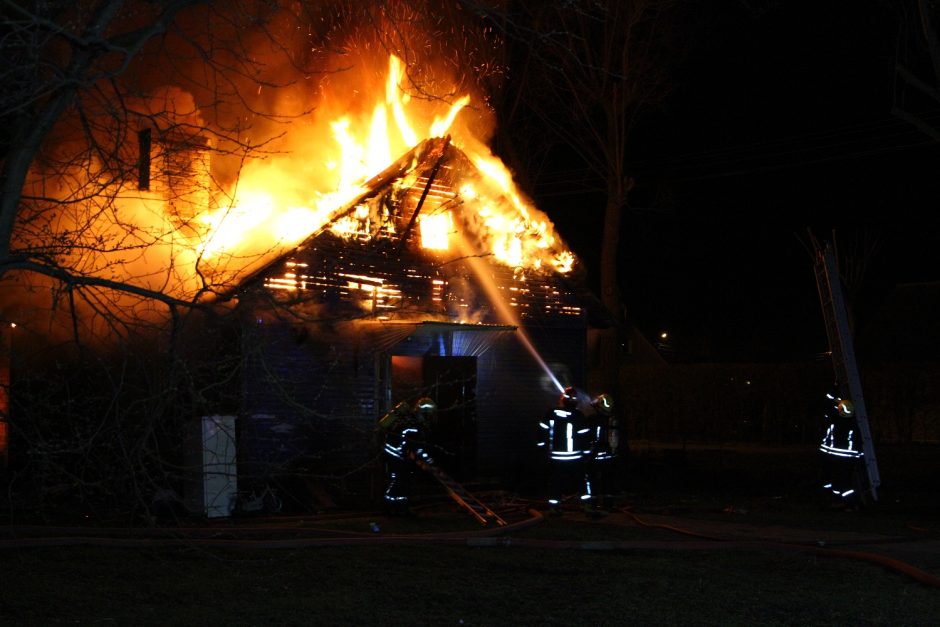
{"x":207,"y":219}
{"x":186,"y":233}
{"x":260,"y":218}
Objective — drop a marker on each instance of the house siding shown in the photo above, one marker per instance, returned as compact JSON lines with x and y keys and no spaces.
{"x":306,"y":402}
{"x":313,"y":403}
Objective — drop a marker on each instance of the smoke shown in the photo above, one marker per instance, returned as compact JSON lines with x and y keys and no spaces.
{"x":343,"y":74}
{"x":240,"y":102}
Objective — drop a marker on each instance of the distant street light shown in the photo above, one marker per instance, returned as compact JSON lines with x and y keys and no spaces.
{"x":664,"y":345}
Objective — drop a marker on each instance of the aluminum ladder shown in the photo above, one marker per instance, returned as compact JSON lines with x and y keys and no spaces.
{"x":843,"y":354}
{"x":460,"y":494}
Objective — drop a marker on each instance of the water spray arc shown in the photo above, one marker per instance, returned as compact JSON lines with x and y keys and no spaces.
{"x":505,"y":311}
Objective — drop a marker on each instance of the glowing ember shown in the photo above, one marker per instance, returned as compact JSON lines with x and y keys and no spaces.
{"x":435,"y":230}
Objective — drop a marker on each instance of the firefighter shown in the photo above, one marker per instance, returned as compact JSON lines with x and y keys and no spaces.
{"x":565,"y":441}
{"x":602,"y":474}
{"x":841,"y":449}
{"x":405,"y":428}
{"x":419,"y":441}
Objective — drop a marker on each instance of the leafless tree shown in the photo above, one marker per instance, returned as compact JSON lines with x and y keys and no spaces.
{"x":918,"y":66}
{"x":110,"y":111}
{"x":589,"y":69}
{"x":88,"y":83}
{"x":123,"y":120}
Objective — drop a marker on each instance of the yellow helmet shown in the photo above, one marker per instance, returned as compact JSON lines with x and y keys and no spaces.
{"x":425,"y":408}
{"x":846,"y":408}
{"x":604,"y":404}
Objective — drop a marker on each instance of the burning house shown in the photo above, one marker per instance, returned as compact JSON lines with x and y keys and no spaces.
{"x":405,"y":293}
{"x":375,"y":253}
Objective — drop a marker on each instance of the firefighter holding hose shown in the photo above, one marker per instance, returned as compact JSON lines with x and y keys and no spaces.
{"x":566,"y":441}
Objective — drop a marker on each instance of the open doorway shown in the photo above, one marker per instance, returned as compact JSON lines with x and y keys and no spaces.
{"x":451,"y":383}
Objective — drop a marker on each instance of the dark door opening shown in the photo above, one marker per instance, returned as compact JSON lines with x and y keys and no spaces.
{"x":451,"y":383}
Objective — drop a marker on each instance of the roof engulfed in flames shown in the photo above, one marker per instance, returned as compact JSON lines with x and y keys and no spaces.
{"x":399,"y":250}
{"x":473,"y":193}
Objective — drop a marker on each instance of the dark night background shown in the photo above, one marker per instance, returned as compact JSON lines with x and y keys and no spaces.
{"x":780,"y":120}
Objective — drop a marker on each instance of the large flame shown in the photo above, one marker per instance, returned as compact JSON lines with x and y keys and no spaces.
{"x":193,"y":230}
{"x":259,"y":217}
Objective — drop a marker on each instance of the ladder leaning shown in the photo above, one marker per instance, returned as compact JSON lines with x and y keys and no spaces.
{"x":460,"y":494}
{"x":843,"y":354}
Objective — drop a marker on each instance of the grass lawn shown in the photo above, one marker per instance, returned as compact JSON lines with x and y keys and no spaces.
{"x":446,"y":585}
{"x":552,"y":572}
{"x":672,"y":553}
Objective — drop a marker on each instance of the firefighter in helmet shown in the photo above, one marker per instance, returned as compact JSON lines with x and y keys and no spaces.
{"x":419,"y":441}
{"x":425,"y":409}
{"x":841,"y":449}
{"x":565,"y":441}
{"x":601,"y":463}
{"x":405,"y":429}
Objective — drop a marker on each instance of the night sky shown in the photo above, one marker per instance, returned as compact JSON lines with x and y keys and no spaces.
{"x":780,"y":120}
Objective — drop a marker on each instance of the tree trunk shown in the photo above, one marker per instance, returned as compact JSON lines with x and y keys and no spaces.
{"x":612,"y":347}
